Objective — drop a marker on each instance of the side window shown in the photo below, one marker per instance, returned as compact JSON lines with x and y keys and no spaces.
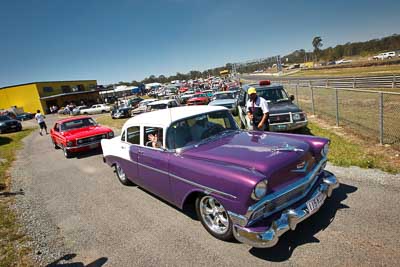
{"x":133,"y":135}
{"x":56,"y":127}
{"x":173,"y":104}
{"x":153,"y":137}
{"x":123,"y":136}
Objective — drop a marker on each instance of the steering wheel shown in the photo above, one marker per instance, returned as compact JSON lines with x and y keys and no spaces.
{"x":216,"y":128}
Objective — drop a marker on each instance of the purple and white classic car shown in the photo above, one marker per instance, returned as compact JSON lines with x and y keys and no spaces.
{"x":253,"y":186}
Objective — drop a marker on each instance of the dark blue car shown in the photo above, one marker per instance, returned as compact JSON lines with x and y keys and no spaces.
{"x":8,"y":124}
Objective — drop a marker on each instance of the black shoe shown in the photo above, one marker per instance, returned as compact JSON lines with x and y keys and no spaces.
{"x":40,"y":133}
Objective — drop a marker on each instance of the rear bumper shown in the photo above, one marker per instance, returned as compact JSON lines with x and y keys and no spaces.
{"x":289,"y":218}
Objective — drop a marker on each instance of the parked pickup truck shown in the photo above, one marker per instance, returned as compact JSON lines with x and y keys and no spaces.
{"x":98,"y":108}
{"x":284,"y":115}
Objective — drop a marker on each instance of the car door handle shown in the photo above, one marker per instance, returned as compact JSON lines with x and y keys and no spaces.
{"x":123,"y":147}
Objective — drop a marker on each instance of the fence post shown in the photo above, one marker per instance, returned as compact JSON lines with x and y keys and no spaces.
{"x":337,"y":106}
{"x":381,"y":118}
{"x":354,"y":82}
{"x":327,"y":83}
{"x":394,"y":81}
{"x":297,"y":94}
{"x":312,"y":100}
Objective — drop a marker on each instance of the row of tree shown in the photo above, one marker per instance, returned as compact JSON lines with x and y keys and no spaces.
{"x":367,"y":48}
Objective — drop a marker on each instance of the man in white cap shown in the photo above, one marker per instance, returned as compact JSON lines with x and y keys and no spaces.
{"x":257,"y":111}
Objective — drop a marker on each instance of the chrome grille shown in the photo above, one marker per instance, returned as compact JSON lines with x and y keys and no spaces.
{"x":281,"y":118}
{"x":284,"y":200}
{"x":90,"y":139}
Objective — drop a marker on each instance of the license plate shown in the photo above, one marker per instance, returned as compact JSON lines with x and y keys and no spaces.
{"x":316,"y":202}
{"x":13,"y":126}
{"x":93,"y":145}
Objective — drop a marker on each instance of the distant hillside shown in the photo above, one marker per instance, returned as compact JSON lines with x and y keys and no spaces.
{"x":367,"y":48}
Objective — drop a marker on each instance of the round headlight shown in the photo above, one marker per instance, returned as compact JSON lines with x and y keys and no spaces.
{"x":80,"y":141}
{"x":111,"y":134}
{"x":260,"y":190}
{"x":103,"y":136}
{"x":70,"y":143}
{"x":325,"y":150}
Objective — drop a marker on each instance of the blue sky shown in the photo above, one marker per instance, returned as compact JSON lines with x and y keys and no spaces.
{"x":123,"y":40}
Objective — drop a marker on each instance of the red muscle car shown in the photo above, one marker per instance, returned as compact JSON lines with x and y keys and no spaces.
{"x":78,"y":134}
{"x":198,"y":99}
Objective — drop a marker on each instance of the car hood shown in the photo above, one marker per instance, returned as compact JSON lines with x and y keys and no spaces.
{"x":283,"y":107}
{"x":222,"y":102}
{"x":86,"y":132}
{"x":276,"y":157}
{"x":198,"y":99}
{"x":7,"y":121}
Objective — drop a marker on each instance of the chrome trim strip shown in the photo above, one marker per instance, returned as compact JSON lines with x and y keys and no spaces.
{"x":206,"y":188}
{"x":273,"y":196}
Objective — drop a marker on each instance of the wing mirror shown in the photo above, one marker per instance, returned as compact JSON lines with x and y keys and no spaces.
{"x":291,"y":97}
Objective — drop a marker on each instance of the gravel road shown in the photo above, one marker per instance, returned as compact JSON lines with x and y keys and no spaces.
{"x":76,"y":211}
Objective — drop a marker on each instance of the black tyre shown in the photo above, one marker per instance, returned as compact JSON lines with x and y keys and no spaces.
{"x":54,"y":144}
{"x":121,"y":175}
{"x":67,"y":154}
{"x":214,"y":217}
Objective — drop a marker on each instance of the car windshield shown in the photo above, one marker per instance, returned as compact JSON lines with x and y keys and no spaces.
{"x":200,"y":95}
{"x":4,"y":118}
{"x":224,"y":96}
{"x":79,"y":123}
{"x":274,"y":95}
{"x":156,"y":107}
{"x":200,"y":128}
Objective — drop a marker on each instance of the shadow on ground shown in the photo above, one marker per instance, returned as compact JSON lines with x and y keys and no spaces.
{"x":66,"y":261}
{"x":9,"y":194}
{"x":89,"y":153}
{"x":5,"y":140}
{"x":305,"y":231}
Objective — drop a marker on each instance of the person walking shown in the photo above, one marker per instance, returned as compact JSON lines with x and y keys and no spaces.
{"x":257,"y":111}
{"x":40,"y":119}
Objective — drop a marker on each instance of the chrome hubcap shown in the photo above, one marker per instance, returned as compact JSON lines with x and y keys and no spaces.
{"x":214,"y":215}
{"x":121,"y":173}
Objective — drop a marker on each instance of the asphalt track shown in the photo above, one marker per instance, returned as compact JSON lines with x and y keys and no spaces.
{"x":99,"y":221}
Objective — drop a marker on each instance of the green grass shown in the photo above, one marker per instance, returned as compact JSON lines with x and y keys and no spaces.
{"x":10,"y":235}
{"x":353,"y":71}
{"x":345,"y":153}
{"x":106,"y":120}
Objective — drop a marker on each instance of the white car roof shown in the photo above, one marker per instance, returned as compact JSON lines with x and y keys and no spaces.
{"x":164,"y":117}
{"x":164,"y":101}
{"x":224,"y":92}
{"x":148,"y":100}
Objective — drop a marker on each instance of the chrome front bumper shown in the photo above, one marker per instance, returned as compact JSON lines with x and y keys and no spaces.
{"x":281,"y":127}
{"x":288,"y":220}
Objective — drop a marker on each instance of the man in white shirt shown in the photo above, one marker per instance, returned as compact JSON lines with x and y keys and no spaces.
{"x":40,"y":119}
{"x":257,"y":111}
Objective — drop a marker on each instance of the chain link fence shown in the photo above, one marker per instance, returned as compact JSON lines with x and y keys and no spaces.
{"x":373,"y":114}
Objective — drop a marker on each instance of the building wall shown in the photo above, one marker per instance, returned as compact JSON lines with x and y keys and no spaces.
{"x":55,"y":88}
{"x":22,"y":96}
{"x":46,"y":89}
